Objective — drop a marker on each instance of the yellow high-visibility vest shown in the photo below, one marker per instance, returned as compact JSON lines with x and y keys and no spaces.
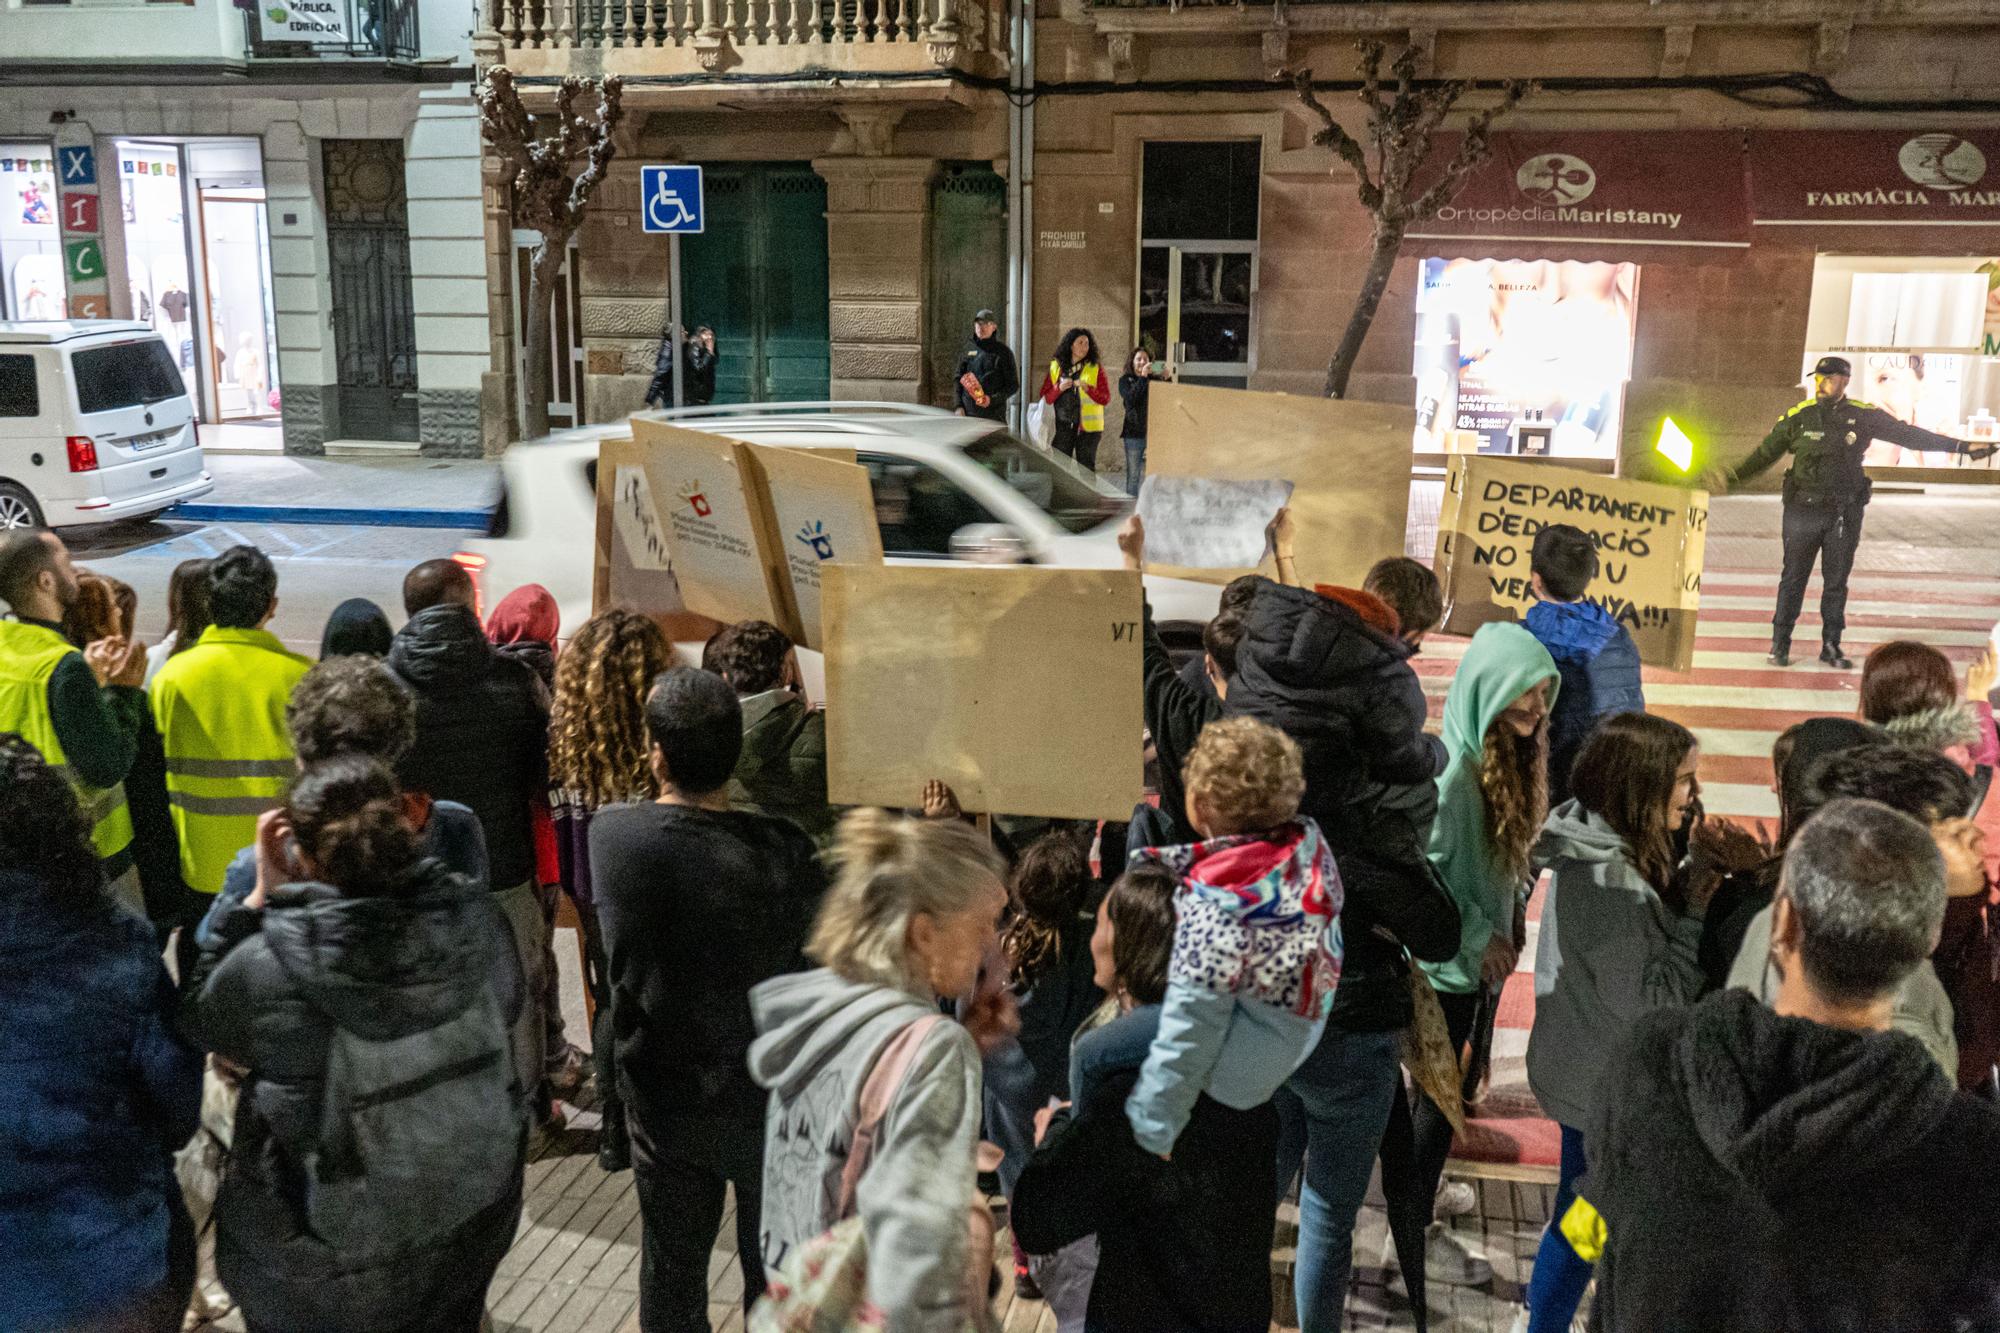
{"x":220,"y":708}
{"x":29,"y":655}
{"x":1092,"y":411}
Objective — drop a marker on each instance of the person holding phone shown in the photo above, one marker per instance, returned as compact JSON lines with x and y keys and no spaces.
{"x":1134,"y":390}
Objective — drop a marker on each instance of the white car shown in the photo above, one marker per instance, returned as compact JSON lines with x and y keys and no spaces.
{"x":946,"y":488}
{"x":95,"y":424}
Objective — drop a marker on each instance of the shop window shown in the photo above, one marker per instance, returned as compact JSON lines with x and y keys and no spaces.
{"x":1201,"y":191}
{"x":18,"y":395}
{"x":31,"y":264}
{"x":1197,"y":277}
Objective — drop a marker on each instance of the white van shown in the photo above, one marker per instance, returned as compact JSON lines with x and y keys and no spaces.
{"x":95,"y":424}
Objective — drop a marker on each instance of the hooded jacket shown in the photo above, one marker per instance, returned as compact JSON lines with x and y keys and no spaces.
{"x":96,"y":1095}
{"x":1502,"y":663}
{"x":383,"y":966}
{"x":1772,"y":1175}
{"x":820,"y":1035}
{"x":482,"y":732}
{"x":1256,"y":956}
{"x":1339,"y":683}
{"x":1599,"y":667}
{"x":524,"y":627}
{"x":782,"y":770}
{"x":1609,"y":951}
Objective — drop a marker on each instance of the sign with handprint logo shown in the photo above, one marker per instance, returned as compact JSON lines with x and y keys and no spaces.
{"x":692,"y":493}
{"x":726,"y":566}
{"x":814,"y":536}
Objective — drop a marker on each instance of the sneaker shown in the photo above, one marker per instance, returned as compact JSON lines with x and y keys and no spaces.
{"x":1833,"y":657}
{"x":1455,"y":1198}
{"x":567,"y":1071}
{"x":1451,"y":1259}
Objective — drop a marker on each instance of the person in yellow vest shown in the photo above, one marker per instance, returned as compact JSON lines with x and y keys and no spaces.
{"x":82,"y":710}
{"x":1078,"y":388}
{"x":220,"y":708}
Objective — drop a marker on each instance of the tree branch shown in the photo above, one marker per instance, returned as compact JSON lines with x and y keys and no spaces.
{"x":1332,"y":135}
{"x":1474,"y":147}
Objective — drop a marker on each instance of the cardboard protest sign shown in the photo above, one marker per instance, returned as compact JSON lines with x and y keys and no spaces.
{"x":1649,"y":541}
{"x":817,"y":509}
{"x":1348,"y":462}
{"x":712,"y":521}
{"x":633,"y":566}
{"x":1200,"y":523}
{"x":939,"y":672}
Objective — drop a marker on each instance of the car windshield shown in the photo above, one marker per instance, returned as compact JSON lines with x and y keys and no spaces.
{"x":1056,"y":485}
{"x":128,"y":374}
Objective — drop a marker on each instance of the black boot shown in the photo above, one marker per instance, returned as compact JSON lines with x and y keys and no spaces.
{"x":1781,"y":654}
{"x":1833,"y":657}
{"x":614,"y":1141}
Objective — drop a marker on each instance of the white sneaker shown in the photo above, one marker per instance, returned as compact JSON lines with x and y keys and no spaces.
{"x":1455,"y":1198}
{"x":1451,"y":1259}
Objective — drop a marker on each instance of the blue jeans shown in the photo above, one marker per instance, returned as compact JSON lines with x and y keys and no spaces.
{"x":1561,"y":1274}
{"x":1135,"y":465}
{"x":1332,"y":1113}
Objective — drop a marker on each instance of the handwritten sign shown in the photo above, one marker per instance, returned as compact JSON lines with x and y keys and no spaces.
{"x":638,"y":519}
{"x":939,"y":672}
{"x":1649,"y":539}
{"x":711,"y":519}
{"x":1206,"y":524}
{"x":1349,"y":464}
{"x":818,"y":510}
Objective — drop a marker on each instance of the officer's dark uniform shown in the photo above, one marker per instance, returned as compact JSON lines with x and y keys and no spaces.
{"x":1826,"y":493}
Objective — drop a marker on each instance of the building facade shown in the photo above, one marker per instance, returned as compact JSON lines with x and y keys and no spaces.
{"x":1665,"y":227}
{"x":289,"y":193}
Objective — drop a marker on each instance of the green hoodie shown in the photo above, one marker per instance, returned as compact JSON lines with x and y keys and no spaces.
{"x":1502,"y":663}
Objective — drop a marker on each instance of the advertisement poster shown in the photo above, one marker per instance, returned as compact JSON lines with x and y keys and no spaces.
{"x":31,"y":260}
{"x":1523,"y":356}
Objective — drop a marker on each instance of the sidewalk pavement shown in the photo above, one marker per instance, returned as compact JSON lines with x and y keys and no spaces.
{"x":388,"y":492}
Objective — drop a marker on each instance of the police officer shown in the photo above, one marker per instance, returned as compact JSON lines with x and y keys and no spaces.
{"x":1826,"y":493}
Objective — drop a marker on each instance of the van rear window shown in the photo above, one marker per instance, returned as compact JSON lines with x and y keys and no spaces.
{"x":17,"y":387}
{"x":125,"y":375}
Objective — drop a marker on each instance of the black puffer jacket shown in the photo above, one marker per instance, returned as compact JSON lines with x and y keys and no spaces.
{"x":384,"y":966}
{"x":482,"y":732}
{"x":1342,"y":688}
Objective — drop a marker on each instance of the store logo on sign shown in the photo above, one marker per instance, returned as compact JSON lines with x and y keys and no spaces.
{"x":1556,"y":179}
{"x":697,"y":501}
{"x":814,"y":534}
{"x":1942,"y":162}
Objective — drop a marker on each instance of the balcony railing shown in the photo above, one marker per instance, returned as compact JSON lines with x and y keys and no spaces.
{"x":645,"y":36}
{"x":331,"y":29}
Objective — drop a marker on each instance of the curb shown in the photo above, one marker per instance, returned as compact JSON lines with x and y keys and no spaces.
{"x":465,"y":520}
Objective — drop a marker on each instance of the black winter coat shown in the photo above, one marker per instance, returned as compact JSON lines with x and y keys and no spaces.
{"x":387,"y":965}
{"x":1175,"y":714}
{"x":1773,"y":1175}
{"x":991,"y":362}
{"x":1312,"y":667}
{"x":482,"y":732}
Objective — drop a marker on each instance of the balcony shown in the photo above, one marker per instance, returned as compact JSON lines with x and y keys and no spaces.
{"x":312,"y":30}
{"x":850,"y":41}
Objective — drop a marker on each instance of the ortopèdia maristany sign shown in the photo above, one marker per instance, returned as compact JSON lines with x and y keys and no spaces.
{"x":1603,"y":187}
{"x":1911,"y":178}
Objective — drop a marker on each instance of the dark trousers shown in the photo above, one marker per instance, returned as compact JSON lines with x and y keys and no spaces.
{"x":680,"y":1170}
{"x":1078,"y":444}
{"x":1828,"y":533}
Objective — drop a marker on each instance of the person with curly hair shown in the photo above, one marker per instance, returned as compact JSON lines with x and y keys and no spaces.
{"x":99,"y":1091}
{"x":600,"y":756}
{"x":1492,"y":801}
{"x":1257,"y":951}
{"x":1078,"y":386}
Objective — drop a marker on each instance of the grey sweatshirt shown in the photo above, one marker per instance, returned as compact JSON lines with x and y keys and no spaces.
{"x":1922,"y":1008}
{"x":1609,"y":952}
{"x":820,"y":1037}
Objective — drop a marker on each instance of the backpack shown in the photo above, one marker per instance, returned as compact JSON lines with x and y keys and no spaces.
{"x":417,"y":1134}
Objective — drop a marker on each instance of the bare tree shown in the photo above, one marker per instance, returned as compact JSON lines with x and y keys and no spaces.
{"x":1401,"y":124}
{"x":537,"y":153}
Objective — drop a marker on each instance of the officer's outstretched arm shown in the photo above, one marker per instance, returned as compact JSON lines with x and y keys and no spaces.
{"x":1882,"y":426}
{"x":1775,"y":446}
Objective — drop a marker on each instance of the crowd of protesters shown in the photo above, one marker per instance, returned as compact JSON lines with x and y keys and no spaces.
{"x":321,"y":897}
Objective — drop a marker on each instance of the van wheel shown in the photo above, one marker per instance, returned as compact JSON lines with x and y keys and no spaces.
{"x":17,"y":507}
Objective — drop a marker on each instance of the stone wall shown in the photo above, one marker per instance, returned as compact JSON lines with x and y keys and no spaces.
{"x":878,"y":264}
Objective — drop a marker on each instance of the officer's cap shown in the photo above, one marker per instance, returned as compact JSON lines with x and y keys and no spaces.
{"x":1833,"y":365}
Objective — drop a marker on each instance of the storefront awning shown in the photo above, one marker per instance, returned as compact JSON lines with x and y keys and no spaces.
{"x":1602,"y":188}
{"x":1876,"y":178}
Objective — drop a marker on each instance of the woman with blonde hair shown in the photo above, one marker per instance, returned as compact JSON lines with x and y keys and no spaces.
{"x":911,"y":918}
{"x":1492,"y":801}
{"x":599,"y":756}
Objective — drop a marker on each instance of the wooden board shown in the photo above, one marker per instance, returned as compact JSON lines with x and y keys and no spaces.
{"x":1650,"y":541}
{"x":816,"y":509}
{"x":1348,"y":462}
{"x":1019,"y":686}
{"x":632,"y":568}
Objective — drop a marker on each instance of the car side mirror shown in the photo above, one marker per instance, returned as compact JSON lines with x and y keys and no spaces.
{"x":989,"y":544}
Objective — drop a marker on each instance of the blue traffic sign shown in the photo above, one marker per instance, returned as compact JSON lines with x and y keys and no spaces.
{"x":670,"y":198}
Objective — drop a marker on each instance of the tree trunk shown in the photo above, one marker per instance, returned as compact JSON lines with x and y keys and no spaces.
{"x":1388,"y":243}
{"x":536,"y":363}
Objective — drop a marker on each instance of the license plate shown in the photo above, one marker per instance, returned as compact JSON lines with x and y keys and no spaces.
{"x":141,"y":443}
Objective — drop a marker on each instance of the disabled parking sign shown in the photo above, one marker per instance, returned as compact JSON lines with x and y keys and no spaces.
{"x":670,"y":199}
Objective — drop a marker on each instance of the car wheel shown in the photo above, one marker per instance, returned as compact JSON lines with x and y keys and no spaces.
{"x":17,"y":507}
